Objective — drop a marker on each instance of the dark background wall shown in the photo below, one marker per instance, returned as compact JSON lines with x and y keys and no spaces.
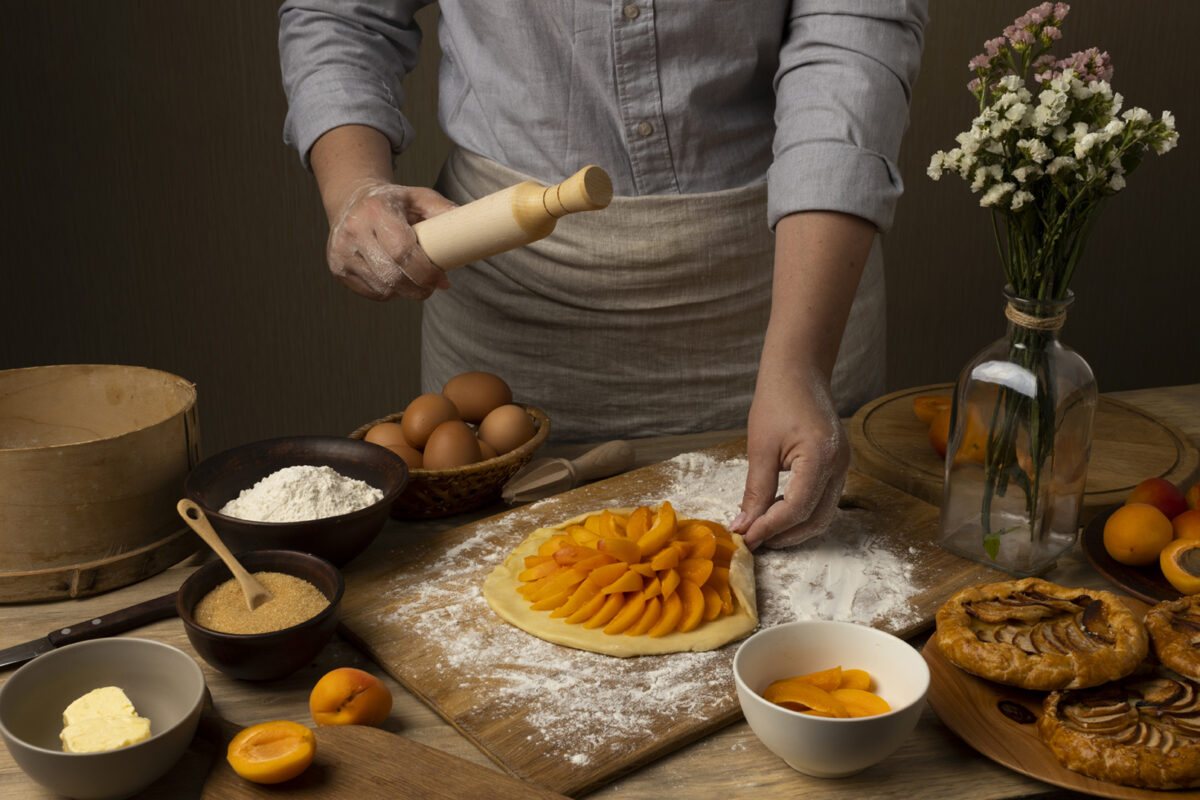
{"x":152,"y":215}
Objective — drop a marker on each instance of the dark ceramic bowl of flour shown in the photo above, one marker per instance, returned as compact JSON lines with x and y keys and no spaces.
{"x":328,"y":512}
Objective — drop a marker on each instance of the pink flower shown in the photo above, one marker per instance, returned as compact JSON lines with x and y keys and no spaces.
{"x":979,"y":62}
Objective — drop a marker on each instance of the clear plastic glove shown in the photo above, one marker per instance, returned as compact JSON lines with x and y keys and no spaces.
{"x":372,"y":248}
{"x":793,"y":426}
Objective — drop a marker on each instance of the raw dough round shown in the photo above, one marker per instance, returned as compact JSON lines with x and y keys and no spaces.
{"x":500,"y":590}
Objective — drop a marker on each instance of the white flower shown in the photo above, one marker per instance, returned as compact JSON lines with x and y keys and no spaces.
{"x":1012,"y":83}
{"x":936,"y":164}
{"x":1169,"y":120}
{"x":1016,"y":112}
{"x":996,"y":194}
{"x":1026,"y":173}
{"x":1167,"y":144}
{"x":1085,"y":144}
{"x":1114,"y":127}
{"x":1019,"y":199}
{"x":1136,"y":115}
{"x":1059,"y":164}
{"x":1117,"y":182}
{"x":1035,"y":149}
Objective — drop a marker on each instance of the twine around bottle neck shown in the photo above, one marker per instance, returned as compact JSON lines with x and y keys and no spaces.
{"x":1053,"y":322}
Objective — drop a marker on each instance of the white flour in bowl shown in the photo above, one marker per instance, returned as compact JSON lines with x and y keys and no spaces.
{"x":299,"y":493}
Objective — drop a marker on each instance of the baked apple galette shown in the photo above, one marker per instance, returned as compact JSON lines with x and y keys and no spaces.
{"x":1038,"y":635}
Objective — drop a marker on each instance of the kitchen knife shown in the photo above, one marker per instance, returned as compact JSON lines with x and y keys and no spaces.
{"x":95,"y":628}
{"x":543,"y":477}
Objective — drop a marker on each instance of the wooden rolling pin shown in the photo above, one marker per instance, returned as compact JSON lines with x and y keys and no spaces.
{"x":543,"y":477}
{"x":509,"y":218}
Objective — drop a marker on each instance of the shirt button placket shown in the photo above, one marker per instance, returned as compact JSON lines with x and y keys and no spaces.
{"x":639,"y":97}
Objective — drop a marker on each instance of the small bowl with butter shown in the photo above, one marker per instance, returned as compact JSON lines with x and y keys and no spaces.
{"x":103,"y":718}
{"x":275,"y":639}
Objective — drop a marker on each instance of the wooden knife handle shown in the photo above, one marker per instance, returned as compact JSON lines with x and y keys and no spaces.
{"x":509,"y":218}
{"x":600,"y":462}
{"x":117,"y":622}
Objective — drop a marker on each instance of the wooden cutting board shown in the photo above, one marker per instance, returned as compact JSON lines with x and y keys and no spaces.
{"x":353,"y":761}
{"x":570,"y":720}
{"x":1128,"y":445}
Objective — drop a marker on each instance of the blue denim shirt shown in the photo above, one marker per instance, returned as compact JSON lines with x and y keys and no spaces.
{"x":668,"y":96}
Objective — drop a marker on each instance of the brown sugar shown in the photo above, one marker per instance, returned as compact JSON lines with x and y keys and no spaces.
{"x":294,"y":601}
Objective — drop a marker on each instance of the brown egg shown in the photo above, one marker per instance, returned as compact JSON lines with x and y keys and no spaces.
{"x":452,"y":444}
{"x":476,"y":394}
{"x":486,"y":451}
{"x":412,"y":456}
{"x":386,"y":434}
{"x":507,"y":428}
{"x":423,"y":414}
{"x":391,"y":436}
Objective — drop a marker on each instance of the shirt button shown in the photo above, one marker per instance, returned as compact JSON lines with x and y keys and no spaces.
{"x":645,"y":128}
{"x":631,"y":11}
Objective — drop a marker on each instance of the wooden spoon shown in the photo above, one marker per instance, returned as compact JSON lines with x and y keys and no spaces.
{"x":193,"y":515}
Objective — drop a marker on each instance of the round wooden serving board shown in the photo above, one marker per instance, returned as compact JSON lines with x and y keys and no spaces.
{"x":1128,"y":445}
{"x":970,"y":706}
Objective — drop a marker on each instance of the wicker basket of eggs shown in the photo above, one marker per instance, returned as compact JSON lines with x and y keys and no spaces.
{"x":461,"y":445}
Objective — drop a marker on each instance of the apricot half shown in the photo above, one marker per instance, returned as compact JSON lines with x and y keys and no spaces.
{"x":272,"y":752}
{"x":1180,"y":563}
{"x":349,"y":696}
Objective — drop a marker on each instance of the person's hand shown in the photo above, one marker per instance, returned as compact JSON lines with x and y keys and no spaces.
{"x":372,"y":248}
{"x":794,"y":426}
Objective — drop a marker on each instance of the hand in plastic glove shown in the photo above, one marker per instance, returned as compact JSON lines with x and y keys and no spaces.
{"x":372,"y":248}
{"x":793,"y":425}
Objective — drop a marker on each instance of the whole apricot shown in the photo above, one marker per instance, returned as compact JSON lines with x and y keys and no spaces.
{"x":1187,"y":524}
{"x":1136,"y":533}
{"x":1192,"y":496}
{"x":271,"y":752}
{"x":928,"y":406}
{"x":349,"y":696}
{"x":1160,"y":493}
{"x":939,"y":432}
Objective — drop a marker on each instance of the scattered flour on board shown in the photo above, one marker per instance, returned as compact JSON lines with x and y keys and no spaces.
{"x":583,"y":706}
{"x":302,"y":492}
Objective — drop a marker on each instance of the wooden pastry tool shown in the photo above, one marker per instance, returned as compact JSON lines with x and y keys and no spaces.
{"x":543,"y":477}
{"x":509,"y":218}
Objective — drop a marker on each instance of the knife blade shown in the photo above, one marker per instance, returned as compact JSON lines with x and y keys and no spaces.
{"x":95,"y":628}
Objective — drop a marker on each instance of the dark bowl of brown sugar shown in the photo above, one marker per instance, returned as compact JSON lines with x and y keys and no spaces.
{"x":287,"y":632}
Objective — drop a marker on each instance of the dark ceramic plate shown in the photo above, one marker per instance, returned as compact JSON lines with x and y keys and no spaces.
{"x":1145,"y":583}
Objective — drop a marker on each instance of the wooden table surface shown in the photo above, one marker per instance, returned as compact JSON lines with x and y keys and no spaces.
{"x":933,"y":764}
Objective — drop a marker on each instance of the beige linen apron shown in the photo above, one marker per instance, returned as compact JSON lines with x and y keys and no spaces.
{"x":643,"y":319}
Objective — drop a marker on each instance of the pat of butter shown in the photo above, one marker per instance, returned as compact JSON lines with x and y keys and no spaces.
{"x":103,"y":719}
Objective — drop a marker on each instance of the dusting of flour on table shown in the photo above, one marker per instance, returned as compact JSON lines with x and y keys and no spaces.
{"x":582,"y":706}
{"x":303,"y":492}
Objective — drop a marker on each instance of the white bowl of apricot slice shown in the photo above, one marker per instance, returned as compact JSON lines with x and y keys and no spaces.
{"x":830,"y":698}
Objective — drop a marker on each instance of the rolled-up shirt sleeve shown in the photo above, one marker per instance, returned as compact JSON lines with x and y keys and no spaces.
{"x":843,"y":87}
{"x":343,"y":63}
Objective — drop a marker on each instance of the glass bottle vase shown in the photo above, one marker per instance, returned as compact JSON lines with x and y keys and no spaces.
{"x":1020,"y":436}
